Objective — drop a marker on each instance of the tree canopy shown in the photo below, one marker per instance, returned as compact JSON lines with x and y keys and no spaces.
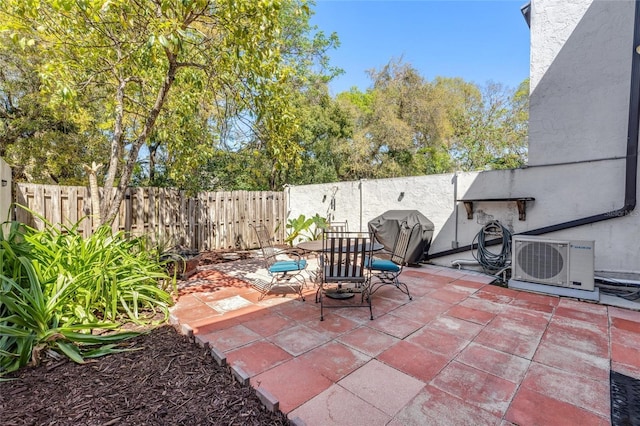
{"x":225,"y":94}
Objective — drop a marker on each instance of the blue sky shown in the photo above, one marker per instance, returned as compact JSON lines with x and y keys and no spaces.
{"x":477,"y":40}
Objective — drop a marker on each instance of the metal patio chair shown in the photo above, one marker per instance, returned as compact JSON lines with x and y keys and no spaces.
{"x":342,"y":261}
{"x":285,"y":266}
{"x":338,"y":227}
{"x":387,"y":271}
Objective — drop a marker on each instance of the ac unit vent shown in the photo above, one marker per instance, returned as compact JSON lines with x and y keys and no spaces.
{"x":542,"y":260}
{"x":553,"y":262}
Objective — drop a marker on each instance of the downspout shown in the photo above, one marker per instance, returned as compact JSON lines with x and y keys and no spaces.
{"x":631,"y":166}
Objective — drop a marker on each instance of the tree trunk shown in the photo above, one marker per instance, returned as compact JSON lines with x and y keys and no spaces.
{"x":111,"y":203}
{"x":92,"y":172}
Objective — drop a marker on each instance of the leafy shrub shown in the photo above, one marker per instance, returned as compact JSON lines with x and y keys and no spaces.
{"x":57,"y":288}
{"x":305,"y":228}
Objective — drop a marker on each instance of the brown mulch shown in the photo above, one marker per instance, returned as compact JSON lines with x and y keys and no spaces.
{"x":169,"y":380}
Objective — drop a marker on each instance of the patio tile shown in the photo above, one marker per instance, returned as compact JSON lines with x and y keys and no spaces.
{"x":382,"y":386}
{"x":509,"y":339}
{"x":478,"y":277}
{"x":337,"y":406}
{"x":541,"y":299}
{"x":299,"y":339}
{"x":532,"y":408}
{"x":480,"y":304}
{"x":390,"y":292}
{"x":367,"y":340}
{"x":257,"y":357}
{"x":476,"y":387}
{"x":395,"y":326}
{"x":418,"y":287}
{"x":626,"y":355}
{"x":578,"y":335}
{"x":578,"y":305}
{"x":472,"y":284}
{"x":533,"y":306}
{"x":414,"y":360}
{"x":210,"y":324}
{"x":624,"y":314}
{"x":230,"y":338}
{"x":600,"y":319}
{"x":574,"y":361}
{"x":332,"y":326}
{"x":450,"y":273}
{"x":503,"y":291}
{"x":449,"y":294}
{"x":534,"y":320}
{"x":292,"y":383}
{"x":438,"y":341}
{"x":190,"y":308}
{"x":456,"y":326}
{"x":501,"y":364}
{"x":384,"y":305}
{"x":220,"y":292}
{"x":493,"y":296}
{"x":422,"y":310}
{"x":471,"y":315}
{"x":334,"y":360}
{"x":359,"y":315}
{"x":229,"y":304}
{"x":432,"y":274}
{"x":433,"y":407}
{"x":626,"y":369}
{"x":624,"y":337}
{"x":298,"y":310}
{"x":269,"y":324}
{"x":626,"y":325}
{"x":590,"y":395}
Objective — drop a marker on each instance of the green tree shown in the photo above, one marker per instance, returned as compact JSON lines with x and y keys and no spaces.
{"x":227,"y":53}
{"x":42,"y":143}
{"x":490,"y":125}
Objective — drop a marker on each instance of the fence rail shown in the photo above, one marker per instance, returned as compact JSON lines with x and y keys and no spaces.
{"x":208,"y":221}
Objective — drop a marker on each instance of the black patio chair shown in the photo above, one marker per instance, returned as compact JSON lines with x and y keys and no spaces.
{"x":342,"y":262}
{"x":387,"y":271}
{"x":286,"y":272}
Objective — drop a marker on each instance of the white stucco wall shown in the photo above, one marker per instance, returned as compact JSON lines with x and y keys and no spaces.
{"x":580,"y":71}
{"x":581,"y":53}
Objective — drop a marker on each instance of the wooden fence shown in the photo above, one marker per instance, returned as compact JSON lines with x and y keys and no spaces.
{"x":208,"y":221}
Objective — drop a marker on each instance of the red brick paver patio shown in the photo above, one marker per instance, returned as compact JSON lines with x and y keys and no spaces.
{"x":463,"y":352}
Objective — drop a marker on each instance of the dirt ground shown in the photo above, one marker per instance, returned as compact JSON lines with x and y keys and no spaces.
{"x":168,"y":380}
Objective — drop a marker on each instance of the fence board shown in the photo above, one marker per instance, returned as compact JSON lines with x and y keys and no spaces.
{"x":208,"y":221}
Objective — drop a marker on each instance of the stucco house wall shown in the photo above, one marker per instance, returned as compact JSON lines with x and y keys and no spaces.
{"x":581,"y":55}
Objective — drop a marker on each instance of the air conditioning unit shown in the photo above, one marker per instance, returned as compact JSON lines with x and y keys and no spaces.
{"x":561,"y":263}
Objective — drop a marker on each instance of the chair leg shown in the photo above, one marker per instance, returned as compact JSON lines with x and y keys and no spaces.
{"x":390,"y":279}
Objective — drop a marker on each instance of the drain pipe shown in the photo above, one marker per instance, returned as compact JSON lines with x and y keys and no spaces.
{"x":631,"y":166}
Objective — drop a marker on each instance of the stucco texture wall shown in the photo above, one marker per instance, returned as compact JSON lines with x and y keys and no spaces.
{"x":579,"y":114}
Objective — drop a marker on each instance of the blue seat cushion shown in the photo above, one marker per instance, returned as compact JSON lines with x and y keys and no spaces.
{"x":381,"y":265}
{"x":288,"y":266}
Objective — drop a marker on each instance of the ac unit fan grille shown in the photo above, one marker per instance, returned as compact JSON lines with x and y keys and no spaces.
{"x":540,"y":260}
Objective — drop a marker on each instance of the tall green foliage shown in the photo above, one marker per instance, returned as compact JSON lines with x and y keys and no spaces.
{"x":57,"y":287}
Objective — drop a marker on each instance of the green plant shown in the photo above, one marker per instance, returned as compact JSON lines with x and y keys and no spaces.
{"x":57,"y":288}
{"x":306,"y":228}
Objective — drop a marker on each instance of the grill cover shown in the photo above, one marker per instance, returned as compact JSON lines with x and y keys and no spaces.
{"x":386,"y":227}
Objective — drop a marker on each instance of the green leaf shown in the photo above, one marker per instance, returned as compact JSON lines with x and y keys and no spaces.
{"x":71,"y":351}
